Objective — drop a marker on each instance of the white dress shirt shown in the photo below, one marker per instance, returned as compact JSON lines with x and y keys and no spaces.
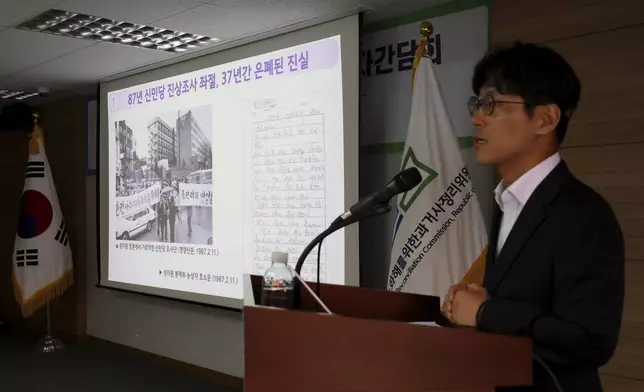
{"x":512,"y":199}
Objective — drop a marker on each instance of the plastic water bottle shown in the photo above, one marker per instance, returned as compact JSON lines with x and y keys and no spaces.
{"x":277,"y":285}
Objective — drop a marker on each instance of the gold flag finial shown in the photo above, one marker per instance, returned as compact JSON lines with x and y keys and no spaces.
{"x":36,"y":133}
{"x":426,"y":30}
{"x":36,"y":117}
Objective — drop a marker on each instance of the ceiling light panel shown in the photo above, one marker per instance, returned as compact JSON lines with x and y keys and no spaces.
{"x":19,"y":95}
{"x":95,"y":28}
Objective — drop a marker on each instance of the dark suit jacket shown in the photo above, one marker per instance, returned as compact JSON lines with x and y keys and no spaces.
{"x":559,"y":279}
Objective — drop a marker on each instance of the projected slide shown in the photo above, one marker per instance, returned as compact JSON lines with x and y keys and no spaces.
{"x":212,"y":170}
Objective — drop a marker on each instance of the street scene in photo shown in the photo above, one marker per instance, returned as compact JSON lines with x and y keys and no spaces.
{"x":164,"y":177}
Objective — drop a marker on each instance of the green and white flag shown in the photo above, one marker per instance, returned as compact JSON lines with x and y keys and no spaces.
{"x":439,"y":232}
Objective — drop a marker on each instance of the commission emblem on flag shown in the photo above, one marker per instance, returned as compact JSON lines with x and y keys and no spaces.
{"x":407,"y":199}
{"x":427,"y":174}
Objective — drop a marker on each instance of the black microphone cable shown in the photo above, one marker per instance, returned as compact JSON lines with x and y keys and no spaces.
{"x":552,"y":375}
{"x":317,"y":287}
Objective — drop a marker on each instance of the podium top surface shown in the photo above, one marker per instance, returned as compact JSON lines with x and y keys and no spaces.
{"x":358,"y":302}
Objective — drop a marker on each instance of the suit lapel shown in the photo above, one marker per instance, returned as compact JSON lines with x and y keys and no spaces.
{"x":528,"y":221}
{"x":531,"y":217}
{"x":490,"y":257}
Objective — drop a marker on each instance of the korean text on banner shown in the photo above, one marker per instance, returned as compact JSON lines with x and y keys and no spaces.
{"x":439,"y":231}
{"x":195,"y":195}
{"x":128,"y":205}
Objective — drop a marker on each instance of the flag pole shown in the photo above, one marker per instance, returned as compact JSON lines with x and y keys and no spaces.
{"x":426,"y":31}
{"x":476,"y":272}
{"x":48,"y":343}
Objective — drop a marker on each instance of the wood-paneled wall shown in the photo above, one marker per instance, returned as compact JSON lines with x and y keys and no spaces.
{"x":602,"y":39}
{"x":64,"y":128}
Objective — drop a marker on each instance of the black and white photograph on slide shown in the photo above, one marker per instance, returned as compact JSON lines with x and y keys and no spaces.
{"x":164,"y":177}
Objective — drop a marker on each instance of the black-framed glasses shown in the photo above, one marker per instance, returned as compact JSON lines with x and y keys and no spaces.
{"x":485,"y":104}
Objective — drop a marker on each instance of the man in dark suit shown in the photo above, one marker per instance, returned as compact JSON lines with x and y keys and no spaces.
{"x":555,"y":262}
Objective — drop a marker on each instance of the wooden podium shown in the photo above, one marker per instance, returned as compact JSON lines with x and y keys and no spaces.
{"x":369,"y":345}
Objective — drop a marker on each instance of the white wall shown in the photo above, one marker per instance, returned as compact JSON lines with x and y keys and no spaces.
{"x":199,"y":335}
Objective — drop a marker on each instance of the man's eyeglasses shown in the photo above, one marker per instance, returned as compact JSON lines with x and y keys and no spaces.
{"x":485,"y":104}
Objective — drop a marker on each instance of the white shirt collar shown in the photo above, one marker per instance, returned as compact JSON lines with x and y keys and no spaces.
{"x":521,"y":189}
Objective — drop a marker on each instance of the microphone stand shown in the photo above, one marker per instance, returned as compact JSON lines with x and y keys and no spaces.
{"x":335,"y":226}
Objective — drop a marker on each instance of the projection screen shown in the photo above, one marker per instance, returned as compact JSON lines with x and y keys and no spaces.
{"x":208,"y":165}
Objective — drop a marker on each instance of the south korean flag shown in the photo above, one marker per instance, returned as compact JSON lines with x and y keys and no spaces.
{"x":42,"y":268}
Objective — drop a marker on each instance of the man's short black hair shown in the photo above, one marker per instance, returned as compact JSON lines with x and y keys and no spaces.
{"x":536,"y":73}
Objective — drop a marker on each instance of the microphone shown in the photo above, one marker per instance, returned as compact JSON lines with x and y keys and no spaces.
{"x":402,"y":182}
{"x":371,"y":206}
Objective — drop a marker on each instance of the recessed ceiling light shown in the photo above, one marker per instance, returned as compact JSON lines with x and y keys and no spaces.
{"x":95,"y":28}
{"x":11,"y":94}
{"x":19,"y":95}
{"x":26,"y":95}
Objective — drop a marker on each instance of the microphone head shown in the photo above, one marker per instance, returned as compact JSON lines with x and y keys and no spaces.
{"x":402,"y":182}
{"x":407,"y":179}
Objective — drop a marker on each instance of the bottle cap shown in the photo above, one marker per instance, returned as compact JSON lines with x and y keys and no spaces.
{"x":279,"y":257}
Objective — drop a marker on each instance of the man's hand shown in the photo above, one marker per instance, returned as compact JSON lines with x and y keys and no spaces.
{"x":465,"y":304}
{"x":449,"y":297}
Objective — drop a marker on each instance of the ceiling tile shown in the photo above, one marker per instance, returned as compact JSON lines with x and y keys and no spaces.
{"x":237,"y":3}
{"x":223,"y":22}
{"x":134,"y":11}
{"x":299,"y":10}
{"x":15,"y":11}
{"x":26,"y":48}
{"x":86,"y":66}
{"x":387,"y":9}
{"x":33,"y":59}
{"x":235,"y":19}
